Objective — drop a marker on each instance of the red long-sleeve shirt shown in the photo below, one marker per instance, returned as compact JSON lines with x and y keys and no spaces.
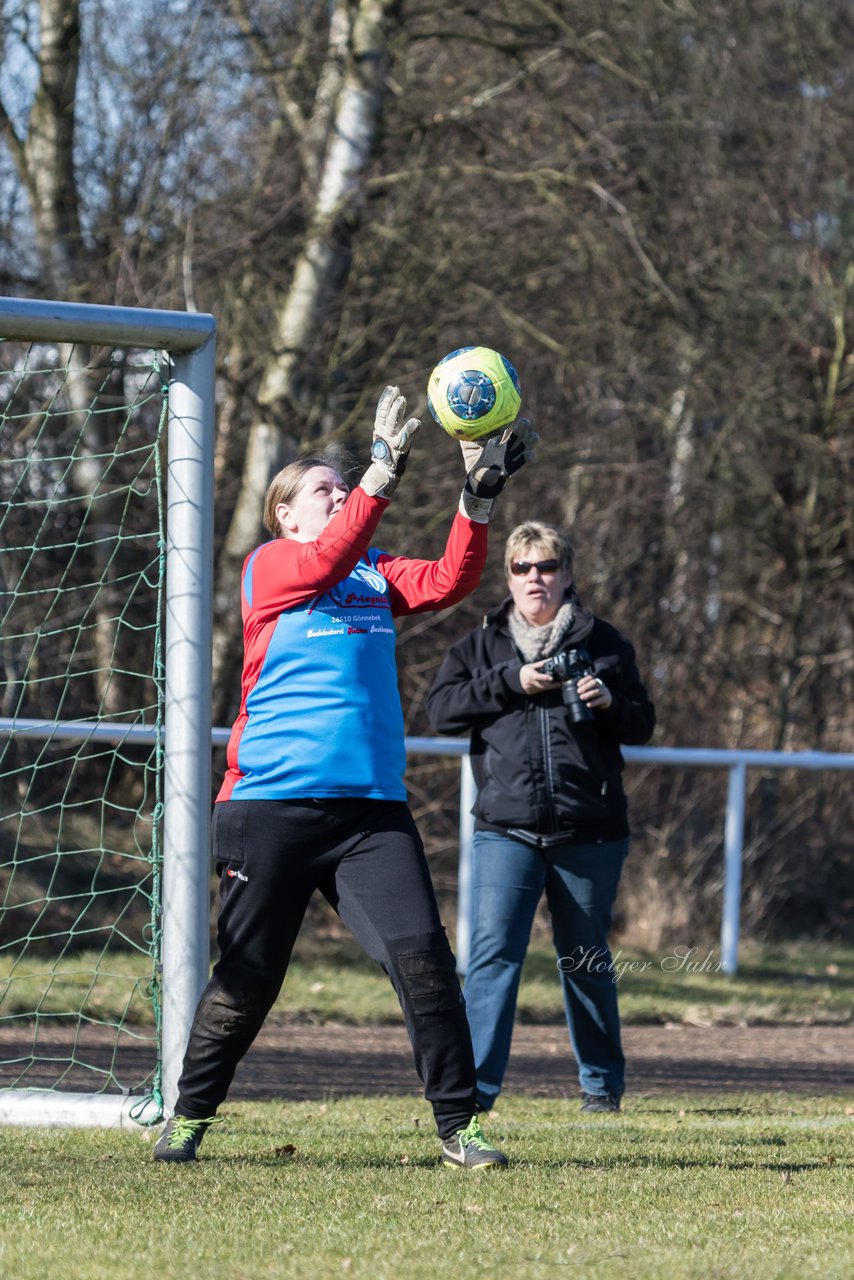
{"x":320,"y":710}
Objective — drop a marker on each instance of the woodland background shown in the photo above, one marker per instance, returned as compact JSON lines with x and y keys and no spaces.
{"x":648,"y":206}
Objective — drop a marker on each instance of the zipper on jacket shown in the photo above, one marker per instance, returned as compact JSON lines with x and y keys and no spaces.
{"x":547,"y":761}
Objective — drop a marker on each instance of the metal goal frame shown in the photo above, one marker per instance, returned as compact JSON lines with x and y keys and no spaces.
{"x":188,"y":339}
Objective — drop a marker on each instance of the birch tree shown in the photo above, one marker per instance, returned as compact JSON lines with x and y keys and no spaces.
{"x":334,"y":137}
{"x":64,"y":175}
{"x":648,"y":207}
{"x":43,"y":150}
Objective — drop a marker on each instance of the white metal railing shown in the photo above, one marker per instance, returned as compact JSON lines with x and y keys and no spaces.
{"x":735,"y":762}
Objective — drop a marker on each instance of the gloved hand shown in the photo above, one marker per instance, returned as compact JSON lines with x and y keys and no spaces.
{"x":490,"y":462}
{"x":392,"y":439}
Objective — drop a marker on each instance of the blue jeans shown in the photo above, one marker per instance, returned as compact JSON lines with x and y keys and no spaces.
{"x":580,"y":881}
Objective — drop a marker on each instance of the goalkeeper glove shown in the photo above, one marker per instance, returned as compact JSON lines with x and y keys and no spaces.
{"x":390,"y":447}
{"x":490,"y":462}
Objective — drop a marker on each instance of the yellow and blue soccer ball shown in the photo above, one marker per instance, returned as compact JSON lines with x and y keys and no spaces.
{"x":473,"y":392}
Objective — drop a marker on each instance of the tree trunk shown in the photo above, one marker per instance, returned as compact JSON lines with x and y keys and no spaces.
{"x":45,"y":161}
{"x":339,"y":140}
{"x":48,"y":150}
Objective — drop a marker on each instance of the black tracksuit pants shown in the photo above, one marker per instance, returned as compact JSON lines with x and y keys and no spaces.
{"x":367,"y":859}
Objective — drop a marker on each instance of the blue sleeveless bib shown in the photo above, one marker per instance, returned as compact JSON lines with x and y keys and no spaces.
{"x":324,"y":717}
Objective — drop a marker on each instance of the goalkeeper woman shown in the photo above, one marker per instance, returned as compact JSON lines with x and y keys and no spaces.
{"x":313,"y":797}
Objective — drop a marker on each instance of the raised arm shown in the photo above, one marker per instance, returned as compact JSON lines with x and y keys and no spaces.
{"x":420,"y":585}
{"x":417,"y":586}
{"x":289,"y":571}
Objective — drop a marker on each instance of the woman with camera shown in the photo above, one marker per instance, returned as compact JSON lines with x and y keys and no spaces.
{"x":548,"y":692}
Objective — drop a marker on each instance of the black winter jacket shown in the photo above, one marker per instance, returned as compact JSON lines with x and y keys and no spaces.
{"x":535,"y":770}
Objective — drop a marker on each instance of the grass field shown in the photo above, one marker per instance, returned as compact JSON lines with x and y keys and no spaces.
{"x":733,"y":1186}
{"x":331,"y":980}
{"x":701,"y":1187}
{"x":795,"y":983}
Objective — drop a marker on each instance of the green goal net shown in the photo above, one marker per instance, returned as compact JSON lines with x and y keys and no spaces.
{"x":82,"y":569}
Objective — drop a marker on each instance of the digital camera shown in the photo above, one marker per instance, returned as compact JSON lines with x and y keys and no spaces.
{"x":568,"y":667}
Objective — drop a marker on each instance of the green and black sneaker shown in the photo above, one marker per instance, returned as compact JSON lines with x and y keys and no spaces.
{"x":181,"y":1138}
{"x":468,"y":1149}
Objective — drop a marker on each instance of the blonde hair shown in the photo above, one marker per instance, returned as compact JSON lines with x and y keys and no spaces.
{"x":534,"y":533}
{"x":285,"y":486}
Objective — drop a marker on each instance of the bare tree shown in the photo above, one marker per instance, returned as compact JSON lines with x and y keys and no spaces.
{"x":44,"y":154}
{"x":646,"y":207}
{"x":334,"y":136}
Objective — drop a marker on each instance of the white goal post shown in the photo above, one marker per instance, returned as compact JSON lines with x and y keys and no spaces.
{"x":188,"y":341}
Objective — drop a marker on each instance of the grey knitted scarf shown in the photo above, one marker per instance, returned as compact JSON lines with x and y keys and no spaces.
{"x":540,"y":642}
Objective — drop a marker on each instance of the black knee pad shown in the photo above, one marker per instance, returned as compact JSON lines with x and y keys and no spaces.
{"x":225,"y":1010}
{"x":425,"y":966}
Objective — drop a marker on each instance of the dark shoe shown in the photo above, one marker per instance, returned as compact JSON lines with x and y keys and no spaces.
{"x":468,"y":1149}
{"x":181,"y":1139}
{"x":600,"y":1102}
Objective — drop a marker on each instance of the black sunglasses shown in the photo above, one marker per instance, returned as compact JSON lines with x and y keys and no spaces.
{"x":520,"y":568}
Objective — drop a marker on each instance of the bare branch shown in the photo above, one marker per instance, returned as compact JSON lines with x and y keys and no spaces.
{"x":631,"y":234}
{"x":584,"y":47}
{"x":486,"y":96}
{"x":269,"y":68}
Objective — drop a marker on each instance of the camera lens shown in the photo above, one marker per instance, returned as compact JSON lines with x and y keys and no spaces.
{"x":579,"y":712}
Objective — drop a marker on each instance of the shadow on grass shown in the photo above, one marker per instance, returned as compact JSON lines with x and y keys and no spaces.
{"x":342,"y":1163}
{"x":791,"y":977}
{"x":731,"y":1165}
{"x":702,"y":1111}
{"x":345,"y":1162}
